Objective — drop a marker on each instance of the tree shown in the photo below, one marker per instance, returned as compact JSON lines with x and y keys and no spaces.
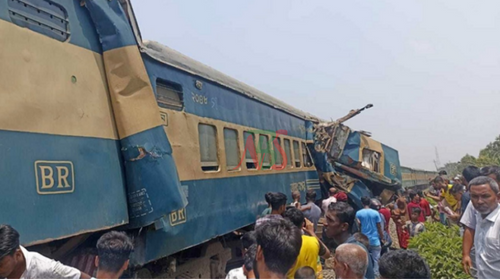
{"x":490,"y":155}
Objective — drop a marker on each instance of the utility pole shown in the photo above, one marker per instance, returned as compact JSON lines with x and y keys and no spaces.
{"x":437,"y":162}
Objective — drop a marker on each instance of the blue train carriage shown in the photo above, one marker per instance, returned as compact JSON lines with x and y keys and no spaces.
{"x":214,"y":123}
{"x":102,"y":131}
{"x":356,"y":163}
{"x":416,"y":178}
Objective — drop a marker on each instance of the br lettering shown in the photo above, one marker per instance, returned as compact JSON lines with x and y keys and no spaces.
{"x":54,"y":177}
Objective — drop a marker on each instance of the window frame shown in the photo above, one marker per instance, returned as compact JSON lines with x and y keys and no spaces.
{"x":295,"y":160}
{"x":289,"y":155}
{"x":238,"y":156}
{"x":207,"y":164}
{"x":260,"y":152}
{"x":249,"y":161}
{"x":277,"y":152}
{"x":305,"y":152}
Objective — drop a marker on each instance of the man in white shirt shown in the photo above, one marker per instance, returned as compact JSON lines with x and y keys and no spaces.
{"x":485,"y":195}
{"x":329,"y":200}
{"x":18,"y":263}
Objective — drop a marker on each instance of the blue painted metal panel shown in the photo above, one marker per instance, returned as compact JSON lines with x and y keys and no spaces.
{"x":216,"y":207}
{"x":152,"y":181}
{"x":350,"y":155}
{"x":83,"y":32}
{"x":94,"y":200}
{"x":151,"y":175}
{"x":392,"y":168}
{"x":111,"y":24}
{"x":224,"y":104}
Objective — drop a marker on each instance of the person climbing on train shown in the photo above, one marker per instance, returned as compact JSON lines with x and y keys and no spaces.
{"x":278,"y":206}
{"x":296,"y":199}
{"x":331,"y":199}
{"x":268,"y":210}
{"x":311,"y":211}
{"x":18,"y":263}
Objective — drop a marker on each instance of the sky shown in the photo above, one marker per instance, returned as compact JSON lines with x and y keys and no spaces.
{"x":430,"y":68}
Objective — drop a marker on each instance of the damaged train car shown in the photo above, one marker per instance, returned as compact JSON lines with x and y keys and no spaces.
{"x":100,"y":130}
{"x":354,"y":162}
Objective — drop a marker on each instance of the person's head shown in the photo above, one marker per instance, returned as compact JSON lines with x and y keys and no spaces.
{"x":332,"y":191}
{"x":267,"y":197}
{"x":311,"y":195}
{"x":341,"y":196}
{"x":493,"y":172}
{"x":484,"y":194}
{"x":366,"y":201}
{"x":415,"y":213}
{"x":249,"y":261}
{"x":443,"y":172}
{"x":470,"y":172}
{"x":375,"y":204}
{"x":457,"y":190}
{"x":403,"y":264}
{"x":339,"y":219}
{"x":439,"y":183}
{"x":350,"y":261}
{"x":247,"y":240}
{"x":305,"y":272}
{"x":113,"y":252}
{"x":414,"y":197}
{"x":278,"y":246}
{"x":296,"y":195}
{"x":278,"y":202}
{"x":363,"y":239}
{"x":295,"y":216}
{"x":10,"y":252}
{"x":420,"y":194}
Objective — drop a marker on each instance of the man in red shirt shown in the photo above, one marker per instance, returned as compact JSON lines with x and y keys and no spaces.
{"x":424,"y":204}
{"x":415,"y":203}
{"x":387,"y":215}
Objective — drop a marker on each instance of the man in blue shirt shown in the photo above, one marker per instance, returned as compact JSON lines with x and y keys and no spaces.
{"x":371,"y":226}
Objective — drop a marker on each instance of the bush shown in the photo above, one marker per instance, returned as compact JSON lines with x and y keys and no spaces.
{"x":441,"y":247}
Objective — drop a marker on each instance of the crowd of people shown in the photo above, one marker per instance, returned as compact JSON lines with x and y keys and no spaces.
{"x":16,"y":262}
{"x":286,"y":243}
{"x":360,"y":241}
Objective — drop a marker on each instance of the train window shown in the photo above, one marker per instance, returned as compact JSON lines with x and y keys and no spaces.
{"x":278,"y":159}
{"x":306,"y":157}
{"x":231,"y":149}
{"x":288,"y":152}
{"x":169,"y":95}
{"x":249,"y":139}
{"x":371,"y":160}
{"x":265,"y":151}
{"x":208,"y":147}
{"x":296,"y":153}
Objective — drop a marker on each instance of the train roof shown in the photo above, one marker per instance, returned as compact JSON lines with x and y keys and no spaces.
{"x":176,"y":59}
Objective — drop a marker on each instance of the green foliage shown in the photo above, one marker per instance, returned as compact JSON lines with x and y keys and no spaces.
{"x":490,"y":155}
{"x":441,"y":247}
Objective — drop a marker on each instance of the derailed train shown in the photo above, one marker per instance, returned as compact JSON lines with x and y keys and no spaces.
{"x":101,"y":130}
